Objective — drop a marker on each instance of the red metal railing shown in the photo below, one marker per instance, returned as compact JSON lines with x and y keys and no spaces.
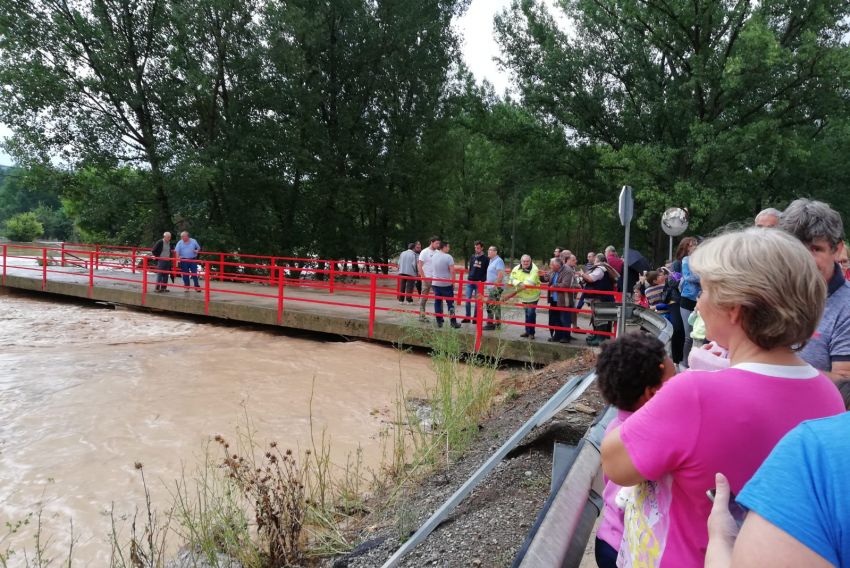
{"x":102,"y":264}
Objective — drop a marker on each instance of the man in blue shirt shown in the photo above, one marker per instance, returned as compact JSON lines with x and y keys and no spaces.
{"x":187,"y":250}
{"x":799,"y":513}
{"x":495,"y":277}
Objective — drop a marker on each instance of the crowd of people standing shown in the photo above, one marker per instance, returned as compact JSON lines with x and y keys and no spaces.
{"x":765,"y":420}
{"x":429,"y":273}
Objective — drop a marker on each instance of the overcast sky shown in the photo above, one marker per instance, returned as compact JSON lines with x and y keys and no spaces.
{"x":479,"y":49}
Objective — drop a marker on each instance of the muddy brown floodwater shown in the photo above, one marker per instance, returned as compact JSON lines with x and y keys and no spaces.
{"x":86,"y":392}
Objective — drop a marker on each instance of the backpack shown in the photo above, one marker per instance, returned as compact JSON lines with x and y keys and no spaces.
{"x":612,"y":274}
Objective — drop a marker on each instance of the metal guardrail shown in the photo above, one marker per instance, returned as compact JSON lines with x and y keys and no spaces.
{"x":559,"y":536}
{"x":570,"y":514}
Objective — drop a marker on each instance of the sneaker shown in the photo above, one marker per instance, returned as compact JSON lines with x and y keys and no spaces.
{"x":523,"y":335}
{"x":489,"y":327}
{"x":198,"y":290}
{"x":455,"y":325}
{"x":440,"y":324}
{"x":553,"y":340}
{"x":164,"y":290}
{"x":568,"y":340}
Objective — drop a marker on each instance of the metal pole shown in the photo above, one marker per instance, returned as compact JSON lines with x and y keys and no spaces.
{"x":621,"y":324}
{"x":670,"y":249}
{"x":144,"y":279}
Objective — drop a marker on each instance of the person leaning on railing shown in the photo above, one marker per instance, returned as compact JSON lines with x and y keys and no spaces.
{"x":161,"y":255}
{"x":560,"y":276}
{"x":601,"y":278}
{"x":525,"y":279}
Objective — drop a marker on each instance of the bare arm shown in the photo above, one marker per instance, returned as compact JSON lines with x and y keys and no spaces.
{"x":840,"y":371}
{"x":616,"y":463}
{"x":764,"y":544}
{"x":760,"y":543}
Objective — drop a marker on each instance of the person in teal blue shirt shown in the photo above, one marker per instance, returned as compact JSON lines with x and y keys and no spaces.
{"x":799,"y":510}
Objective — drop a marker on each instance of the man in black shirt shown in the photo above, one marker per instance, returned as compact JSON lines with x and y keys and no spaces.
{"x":477,"y":266}
{"x":161,"y":256}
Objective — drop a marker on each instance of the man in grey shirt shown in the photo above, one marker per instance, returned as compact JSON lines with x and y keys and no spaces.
{"x":443,"y":269}
{"x":407,"y":270}
{"x":820,"y":228}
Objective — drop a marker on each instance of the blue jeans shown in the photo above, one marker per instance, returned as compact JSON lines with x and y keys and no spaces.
{"x":444,"y":292}
{"x":530,"y":316}
{"x":187,"y":266}
{"x":471,"y":292}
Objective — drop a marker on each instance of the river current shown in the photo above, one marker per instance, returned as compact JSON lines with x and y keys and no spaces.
{"x":86,"y":392}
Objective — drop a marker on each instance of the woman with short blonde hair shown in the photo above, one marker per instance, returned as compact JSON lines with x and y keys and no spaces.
{"x":737,"y":269}
{"x":762,"y":297}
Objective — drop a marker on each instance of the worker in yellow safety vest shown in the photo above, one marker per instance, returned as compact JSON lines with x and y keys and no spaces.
{"x":525,"y":279}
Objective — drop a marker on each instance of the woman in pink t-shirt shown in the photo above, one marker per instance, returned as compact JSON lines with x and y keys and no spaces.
{"x":761,"y":297}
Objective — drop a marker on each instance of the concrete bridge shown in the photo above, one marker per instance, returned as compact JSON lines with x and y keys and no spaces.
{"x":351,"y":304}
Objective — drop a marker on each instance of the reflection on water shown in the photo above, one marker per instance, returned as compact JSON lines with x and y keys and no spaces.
{"x":86,"y":392}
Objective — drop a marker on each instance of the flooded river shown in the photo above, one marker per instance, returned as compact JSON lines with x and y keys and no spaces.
{"x":85,"y":392}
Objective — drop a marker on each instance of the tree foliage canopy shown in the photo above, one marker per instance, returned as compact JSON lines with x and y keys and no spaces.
{"x":350,"y":128}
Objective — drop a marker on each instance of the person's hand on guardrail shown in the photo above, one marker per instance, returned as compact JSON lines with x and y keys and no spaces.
{"x":722,"y":529}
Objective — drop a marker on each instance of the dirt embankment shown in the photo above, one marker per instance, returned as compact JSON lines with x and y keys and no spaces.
{"x":489,"y":527}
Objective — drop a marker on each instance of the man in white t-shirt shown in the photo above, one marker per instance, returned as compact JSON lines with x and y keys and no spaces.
{"x":426,"y":273}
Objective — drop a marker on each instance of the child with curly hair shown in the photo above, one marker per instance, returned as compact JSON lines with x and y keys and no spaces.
{"x":630,"y":370}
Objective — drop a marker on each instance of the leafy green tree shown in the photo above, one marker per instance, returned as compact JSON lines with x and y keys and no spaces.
{"x":88,"y":83}
{"x":719,"y":106}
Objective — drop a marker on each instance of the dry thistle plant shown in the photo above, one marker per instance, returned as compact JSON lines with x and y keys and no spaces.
{"x":275,"y":487}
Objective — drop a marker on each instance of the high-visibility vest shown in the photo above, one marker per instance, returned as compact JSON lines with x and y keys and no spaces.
{"x":531,"y":278}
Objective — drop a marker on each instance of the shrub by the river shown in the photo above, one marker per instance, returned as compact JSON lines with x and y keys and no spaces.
{"x":24,"y":227}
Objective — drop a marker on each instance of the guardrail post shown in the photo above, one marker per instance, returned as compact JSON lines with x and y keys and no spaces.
{"x":43,"y":268}
{"x":144,"y":279}
{"x":332,"y":265}
{"x":174,"y":266}
{"x":97,"y":257}
{"x":221,"y":267}
{"x":133,"y":256}
{"x":62,"y":263}
{"x":281,"y":275}
{"x":372,"y":293}
{"x":206,"y":287}
{"x":459,"y":299}
{"x":5,"y":253}
{"x":479,"y":315}
{"x":91,"y":273}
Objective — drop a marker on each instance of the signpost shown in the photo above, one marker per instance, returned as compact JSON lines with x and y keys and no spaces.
{"x":626,"y":210}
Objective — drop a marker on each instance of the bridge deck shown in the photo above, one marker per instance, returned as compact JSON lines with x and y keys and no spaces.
{"x":342,"y":313}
